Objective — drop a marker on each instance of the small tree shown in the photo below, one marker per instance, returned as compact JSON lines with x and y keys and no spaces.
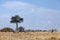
{"x":52,"y":30}
{"x":16,"y":19}
{"x":21,"y":29}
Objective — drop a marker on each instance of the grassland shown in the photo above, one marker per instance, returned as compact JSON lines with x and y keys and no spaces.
{"x":30,"y":36}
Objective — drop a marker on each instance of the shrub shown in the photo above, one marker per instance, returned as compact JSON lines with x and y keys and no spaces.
{"x":7,"y":29}
{"x":21,"y":29}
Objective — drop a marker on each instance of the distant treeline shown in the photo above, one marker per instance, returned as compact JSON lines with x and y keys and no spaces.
{"x":53,"y":30}
{"x":21,"y":29}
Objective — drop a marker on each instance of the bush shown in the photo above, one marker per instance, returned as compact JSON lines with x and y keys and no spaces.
{"x":7,"y":29}
{"x":21,"y":29}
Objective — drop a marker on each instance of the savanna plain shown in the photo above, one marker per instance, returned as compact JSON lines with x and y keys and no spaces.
{"x":30,"y":36}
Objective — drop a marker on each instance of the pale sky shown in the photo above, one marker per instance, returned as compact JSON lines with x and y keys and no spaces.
{"x":37,"y":14}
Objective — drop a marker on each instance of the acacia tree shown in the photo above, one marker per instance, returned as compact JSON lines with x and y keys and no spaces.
{"x":16,"y":19}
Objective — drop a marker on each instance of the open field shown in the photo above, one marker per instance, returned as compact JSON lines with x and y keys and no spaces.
{"x":30,"y":36}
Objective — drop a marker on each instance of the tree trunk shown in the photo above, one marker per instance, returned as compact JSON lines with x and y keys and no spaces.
{"x":16,"y":27}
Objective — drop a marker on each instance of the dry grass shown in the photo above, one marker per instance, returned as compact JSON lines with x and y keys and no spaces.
{"x":30,"y":36}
